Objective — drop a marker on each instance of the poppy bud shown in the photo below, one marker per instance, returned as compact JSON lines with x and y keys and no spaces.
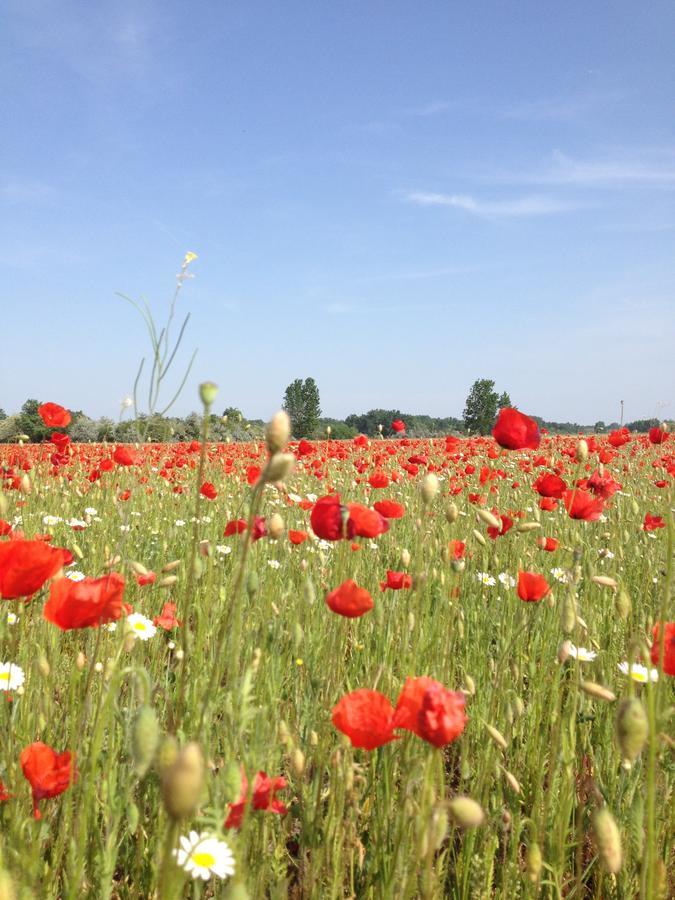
{"x":604,"y":581}
{"x":497,"y":737}
{"x":582,"y":451}
{"x":138,"y":568}
{"x":470,"y":685}
{"x":533,"y":862}
{"x":513,"y":782}
{"x":329,"y":430}
{"x":43,"y":666}
{"x":479,"y":537}
{"x":429,"y":488}
{"x":379,"y":428}
{"x":438,"y":828}
{"x":525,"y":527}
{"x":278,"y":432}
{"x":144,"y":739}
{"x":608,"y":839}
{"x":169,"y":581}
{"x":170,"y":566}
{"x":298,"y":761}
{"x":451,"y":513}
{"x":466,"y":812}
{"x":182,"y":781}
{"x":278,"y":467}
{"x":597,"y":690}
{"x":405,"y":558}
{"x":208,"y":391}
{"x":80,"y":661}
{"x":623,"y":604}
{"x":275,"y":526}
{"x":632,"y":729}
{"x":252,"y":584}
{"x":568,"y":618}
{"x":489,"y":518}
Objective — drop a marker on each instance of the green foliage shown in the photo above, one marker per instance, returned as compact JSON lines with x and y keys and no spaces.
{"x":642,"y":424}
{"x":504,"y":401}
{"x":31,"y":424}
{"x":301,"y":402}
{"x":481,"y":406}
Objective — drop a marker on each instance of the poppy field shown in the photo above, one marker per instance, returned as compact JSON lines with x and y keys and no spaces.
{"x":375,"y":668}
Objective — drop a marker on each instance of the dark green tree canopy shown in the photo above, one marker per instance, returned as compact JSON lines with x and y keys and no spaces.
{"x":301,"y":402}
{"x":504,"y":401}
{"x":481,"y":406}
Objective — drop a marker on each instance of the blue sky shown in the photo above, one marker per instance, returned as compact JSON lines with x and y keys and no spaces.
{"x":394,"y":198}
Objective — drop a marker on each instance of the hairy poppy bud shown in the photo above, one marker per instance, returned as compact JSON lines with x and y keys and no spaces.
{"x":279,"y":467}
{"x":298,"y":761}
{"x":429,"y":488}
{"x":451,"y":513}
{"x":170,"y":566}
{"x":182,"y":782}
{"x":479,"y":537}
{"x":7,"y":891}
{"x":582,"y":451}
{"x":489,"y":518}
{"x":533,"y":862}
{"x":275,"y":526}
{"x":405,"y":558}
{"x":632,"y":729}
{"x":278,"y":432}
{"x":144,"y":739}
{"x":568,"y":618}
{"x":497,"y":737}
{"x":623,"y":604}
{"x":208,"y":391}
{"x":608,"y":839}
{"x":466,"y":812}
{"x":597,"y":690}
{"x":139,"y":568}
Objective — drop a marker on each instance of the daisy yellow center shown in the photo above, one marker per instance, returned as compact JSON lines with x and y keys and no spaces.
{"x":140,"y":626}
{"x":4,"y":676}
{"x":639,"y":676}
{"x":204,"y":860}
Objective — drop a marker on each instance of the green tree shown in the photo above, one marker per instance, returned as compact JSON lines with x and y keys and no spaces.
{"x":301,"y":402}
{"x":30,"y":422}
{"x":481,"y":406}
{"x":504,"y":401}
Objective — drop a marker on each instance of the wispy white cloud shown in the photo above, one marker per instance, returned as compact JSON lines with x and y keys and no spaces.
{"x":621,"y":170}
{"x":562,"y":108}
{"x":521,"y":207}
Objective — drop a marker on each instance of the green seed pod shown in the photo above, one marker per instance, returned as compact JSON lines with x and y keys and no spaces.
{"x":144,"y":739}
{"x":252,"y":584}
{"x":623,"y":604}
{"x":466,"y":812}
{"x":568,"y":617}
{"x":182,"y":782}
{"x":132,"y":817}
{"x":608,"y":839}
{"x":309,"y":591}
{"x":438,"y":829}
{"x":632,"y":729}
{"x":533,"y":862}
{"x":497,"y":737}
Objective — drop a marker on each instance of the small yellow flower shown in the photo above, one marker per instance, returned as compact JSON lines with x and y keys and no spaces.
{"x":189,"y":257}
{"x":299,"y":662}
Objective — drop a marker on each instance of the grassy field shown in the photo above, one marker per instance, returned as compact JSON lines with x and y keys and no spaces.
{"x":554,"y":786}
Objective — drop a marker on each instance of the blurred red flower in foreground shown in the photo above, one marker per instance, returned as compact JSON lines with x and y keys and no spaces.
{"x":651,"y":523}
{"x":53,"y":415}
{"x":581,"y":504}
{"x":390,"y":509}
{"x":396,"y":581}
{"x":398,"y":425}
{"x":657,"y":435}
{"x":349,"y":600}
{"x":125,"y":456}
{"x":48,"y":772}
{"x":668,"y":650}
{"x":532,"y":587}
{"x":85,"y":604}
{"x":26,"y":565}
{"x":550,"y":485}
{"x":366,"y":717}
{"x":208,"y":490}
{"x":430,"y":711}
{"x":264,"y":790}
{"x":516,"y":431}
{"x":167,"y":618}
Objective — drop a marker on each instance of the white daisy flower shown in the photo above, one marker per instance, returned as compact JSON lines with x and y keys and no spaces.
{"x":11,"y":677}
{"x":581,"y":653}
{"x":90,"y":511}
{"x":312,"y":498}
{"x":141,"y":626}
{"x":203,"y":855}
{"x":179,"y":523}
{"x":77,"y":524}
{"x":50,"y":521}
{"x":507,"y":580}
{"x":75,"y":576}
{"x":273,"y":563}
{"x":223,"y":549}
{"x":559,"y":575}
{"x":110,"y":626}
{"x":486,"y":579}
{"x":12,"y":618}
{"x":639,"y":672}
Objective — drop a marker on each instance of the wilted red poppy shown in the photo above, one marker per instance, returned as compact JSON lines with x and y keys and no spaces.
{"x":532,"y":587}
{"x":53,"y":415}
{"x":668,"y":650}
{"x":506,"y":525}
{"x":48,"y":772}
{"x":236,"y":526}
{"x":396,"y":581}
{"x":208,"y":490}
{"x":581,"y":504}
{"x":264,"y":791}
{"x":297,"y":537}
{"x":85,"y":604}
{"x":125,"y":456}
{"x":167,"y":618}
{"x":366,"y":717}
{"x":603,"y":485}
{"x":619,"y":437}
{"x":548,"y":543}
{"x":398,"y":425}
{"x":516,"y":431}
{"x":550,"y":485}
{"x":349,"y":600}
{"x":390,"y":509}
{"x":651,"y":523}
{"x":26,"y":565}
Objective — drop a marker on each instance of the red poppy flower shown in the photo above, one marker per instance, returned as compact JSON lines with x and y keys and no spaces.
{"x":548,"y":503}
{"x":651,"y":523}
{"x":548,"y":543}
{"x":85,"y":604}
{"x":208,"y":490}
{"x":236,"y":526}
{"x":167,"y":618}
{"x":26,"y":565}
{"x":506,"y":525}
{"x":457,"y":549}
{"x":396,"y":581}
{"x":390,"y":509}
{"x":297,"y":537}
{"x":581,"y":504}
{"x":331,"y":521}
{"x":53,"y":415}
{"x":60,"y":440}
{"x":378,"y":480}
{"x":398,"y":425}
{"x":349,"y":600}
{"x":366,"y":717}
{"x":253,"y":474}
{"x":516,"y":431}
{"x":125,"y":456}
{"x":259,"y":529}
{"x":4,"y":794}
{"x":48,"y":772}
{"x":5,"y":528}
{"x":657,"y":435}
{"x":430,"y":711}
{"x":603,"y":485}
{"x":550,"y":485}
{"x":264,"y":791}
{"x":669,"y":648}
{"x":532,"y":587}
{"x":619,"y":437}
{"x":148,"y":578}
